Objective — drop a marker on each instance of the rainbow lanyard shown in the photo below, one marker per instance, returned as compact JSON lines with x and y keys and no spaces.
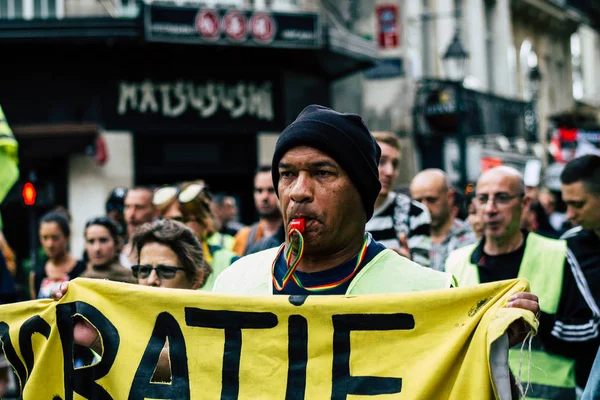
{"x":296,"y":231}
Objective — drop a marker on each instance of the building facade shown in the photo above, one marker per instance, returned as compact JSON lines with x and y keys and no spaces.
{"x":123,"y":93}
{"x":500,"y":104}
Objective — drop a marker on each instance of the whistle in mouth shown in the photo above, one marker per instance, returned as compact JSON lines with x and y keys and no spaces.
{"x":298,"y":224}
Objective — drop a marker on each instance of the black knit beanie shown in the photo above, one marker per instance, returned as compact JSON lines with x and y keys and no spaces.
{"x":345,"y":138}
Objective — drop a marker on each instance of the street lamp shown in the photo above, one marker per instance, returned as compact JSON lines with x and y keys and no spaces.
{"x":535,"y":79}
{"x":455,"y":59}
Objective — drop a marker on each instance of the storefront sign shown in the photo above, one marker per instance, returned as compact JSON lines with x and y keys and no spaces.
{"x":385,"y":69}
{"x":168,"y":22}
{"x":205,"y":100}
{"x":388,"y":30}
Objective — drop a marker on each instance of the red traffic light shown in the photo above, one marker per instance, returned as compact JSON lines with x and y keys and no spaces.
{"x":29,"y":194}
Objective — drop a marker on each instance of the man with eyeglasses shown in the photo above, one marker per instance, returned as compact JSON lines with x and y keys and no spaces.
{"x":506,"y":252}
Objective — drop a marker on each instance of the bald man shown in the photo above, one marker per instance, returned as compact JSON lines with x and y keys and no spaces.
{"x":567,"y":326}
{"x":432,"y":188}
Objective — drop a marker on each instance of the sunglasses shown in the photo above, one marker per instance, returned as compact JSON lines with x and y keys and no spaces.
{"x":163,"y":271}
{"x":166,"y":193}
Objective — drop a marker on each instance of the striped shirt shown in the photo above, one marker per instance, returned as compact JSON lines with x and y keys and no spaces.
{"x":584,"y":259}
{"x":400,"y":214}
{"x":460,"y":235}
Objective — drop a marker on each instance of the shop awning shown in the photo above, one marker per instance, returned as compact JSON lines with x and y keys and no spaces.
{"x":55,"y":140}
{"x":301,"y":41}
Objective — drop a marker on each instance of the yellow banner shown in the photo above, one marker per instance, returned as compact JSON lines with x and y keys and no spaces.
{"x":423,"y":345}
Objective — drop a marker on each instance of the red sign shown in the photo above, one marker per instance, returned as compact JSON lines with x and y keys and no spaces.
{"x":262,"y":28}
{"x":388,"y":26}
{"x":234,"y":25}
{"x":207,"y":24}
{"x":489,"y":163}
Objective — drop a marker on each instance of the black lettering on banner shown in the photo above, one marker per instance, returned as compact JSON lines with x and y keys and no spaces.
{"x":12,"y":357}
{"x":232,"y":322}
{"x":343,"y":383}
{"x":298,"y":357}
{"x":83,"y":380}
{"x":166,"y":327}
{"x":33,"y":325}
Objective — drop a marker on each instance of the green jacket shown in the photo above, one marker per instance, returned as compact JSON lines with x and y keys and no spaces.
{"x":551,"y":376}
{"x":387,"y":272}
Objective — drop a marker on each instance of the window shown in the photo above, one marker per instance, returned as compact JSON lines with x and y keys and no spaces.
{"x":576,"y":63}
{"x":489,"y":43}
{"x":43,"y":9}
{"x":512,"y":70}
{"x":527,"y":60}
{"x":11,"y":9}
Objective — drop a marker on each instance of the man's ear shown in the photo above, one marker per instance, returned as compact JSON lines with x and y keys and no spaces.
{"x":451,"y":194}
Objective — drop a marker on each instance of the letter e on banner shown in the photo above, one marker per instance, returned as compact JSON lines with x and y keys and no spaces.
{"x":345,"y":384}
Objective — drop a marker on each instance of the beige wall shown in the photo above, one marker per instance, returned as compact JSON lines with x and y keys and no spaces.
{"x":90,"y":183}
{"x":266,"y":147}
{"x":551,"y":42}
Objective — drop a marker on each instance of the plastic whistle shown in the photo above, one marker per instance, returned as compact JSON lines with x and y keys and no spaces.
{"x":297,"y":224}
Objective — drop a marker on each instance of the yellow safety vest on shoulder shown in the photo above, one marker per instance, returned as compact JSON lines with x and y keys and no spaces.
{"x":551,"y":376}
{"x":387,"y":272}
{"x":222,"y":240}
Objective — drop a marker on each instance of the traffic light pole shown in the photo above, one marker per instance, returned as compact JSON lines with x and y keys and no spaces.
{"x":33,"y":239}
{"x":29,"y":200}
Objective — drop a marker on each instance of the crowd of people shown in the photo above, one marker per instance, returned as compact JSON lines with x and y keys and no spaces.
{"x":361,"y":236}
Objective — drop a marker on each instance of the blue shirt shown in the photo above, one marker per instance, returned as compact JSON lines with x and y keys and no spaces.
{"x":311,"y":279}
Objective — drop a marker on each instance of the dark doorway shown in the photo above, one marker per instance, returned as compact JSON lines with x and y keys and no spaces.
{"x":225,"y":161}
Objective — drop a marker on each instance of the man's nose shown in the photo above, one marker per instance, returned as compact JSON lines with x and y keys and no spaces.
{"x":570,"y":213}
{"x":387,"y":169}
{"x":302,"y":188}
{"x":489,"y":206}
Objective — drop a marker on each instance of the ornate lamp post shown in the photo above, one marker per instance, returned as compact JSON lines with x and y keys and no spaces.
{"x":454,"y":61}
{"x":535,"y":80}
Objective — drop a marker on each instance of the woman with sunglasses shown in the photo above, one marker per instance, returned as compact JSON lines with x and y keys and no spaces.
{"x":102,"y":248}
{"x":168,"y":255}
{"x":189,"y":203}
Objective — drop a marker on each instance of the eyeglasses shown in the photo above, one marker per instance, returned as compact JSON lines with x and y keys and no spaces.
{"x":166,"y":193}
{"x":500,"y":199}
{"x":163,"y":271}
